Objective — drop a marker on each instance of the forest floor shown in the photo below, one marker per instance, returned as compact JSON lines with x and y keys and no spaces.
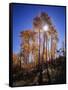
{"x":49,"y":73}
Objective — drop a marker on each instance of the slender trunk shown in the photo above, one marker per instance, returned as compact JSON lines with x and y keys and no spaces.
{"x":48,"y":52}
{"x":20,"y":62}
{"x":20,"y":59}
{"x":46,"y":47}
{"x":43,"y":48}
{"x":28,"y":50}
{"x":39,"y":64}
{"x":49,"y":79}
{"x":51,"y":47}
{"x":39,"y":49}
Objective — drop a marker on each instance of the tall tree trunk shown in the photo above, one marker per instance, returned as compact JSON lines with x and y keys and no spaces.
{"x":49,"y":79}
{"x":39,"y":48}
{"x":43,"y":48}
{"x":48,"y":51}
{"x":46,"y":46}
{"x":28,"y":50}
{"x":51,"y":47}
{"x":39,"y":64}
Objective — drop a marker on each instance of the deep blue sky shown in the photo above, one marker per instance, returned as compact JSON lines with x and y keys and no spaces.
{"x":23,"y":16}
